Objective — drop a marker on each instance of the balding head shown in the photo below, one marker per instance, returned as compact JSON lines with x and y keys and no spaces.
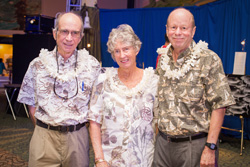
{"x":180,"y":29}
{"x":68,"y":33}
{"x":63,"y":14}
{"x":183,"y":11}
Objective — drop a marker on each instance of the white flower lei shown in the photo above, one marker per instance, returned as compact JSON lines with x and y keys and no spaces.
{"x":177,"y":74}
{"x":51,"y":65}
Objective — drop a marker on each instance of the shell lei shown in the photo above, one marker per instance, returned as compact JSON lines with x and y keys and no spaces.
{"x":177,"y":74}
{"x":51,"y":65}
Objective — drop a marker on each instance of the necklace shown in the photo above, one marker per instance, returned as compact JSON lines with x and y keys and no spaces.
{"x":50,"y":65}
{"x":190,"y":62}
{"x":112,"y":75}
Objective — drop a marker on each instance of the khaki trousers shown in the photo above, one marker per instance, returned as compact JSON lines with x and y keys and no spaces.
{"x":49,"y":148}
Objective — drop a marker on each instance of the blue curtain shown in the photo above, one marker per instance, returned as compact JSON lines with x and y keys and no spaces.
{"x":222,"y":24}
{"x":234,"y":122}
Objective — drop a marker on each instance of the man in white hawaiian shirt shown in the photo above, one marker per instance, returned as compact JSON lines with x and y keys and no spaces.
{"x":193,"y":93}
{"x":57,"y":88}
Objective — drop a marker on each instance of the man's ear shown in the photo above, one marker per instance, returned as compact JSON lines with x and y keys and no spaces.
{"x":193,"y":31}
{"x":54,"y":34}
{"x":167,"y":30}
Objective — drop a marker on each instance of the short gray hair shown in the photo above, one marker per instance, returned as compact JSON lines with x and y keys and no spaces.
{"x":125,"y":34}
{"x":59,"y":16}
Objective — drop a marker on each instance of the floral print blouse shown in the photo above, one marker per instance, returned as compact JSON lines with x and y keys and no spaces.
{"x":126,"y":117}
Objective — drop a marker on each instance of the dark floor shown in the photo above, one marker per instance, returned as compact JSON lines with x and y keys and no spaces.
{"x":15,"y":137}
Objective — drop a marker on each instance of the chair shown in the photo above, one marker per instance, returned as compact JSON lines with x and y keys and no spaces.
{"x":11,"y":90}
{"x":241,"y":131}
{"x":239,"y":86}
{"x":4,"y":80}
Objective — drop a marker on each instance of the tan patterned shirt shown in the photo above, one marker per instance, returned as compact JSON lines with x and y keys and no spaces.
{"x":38,"y":88}
{"x":186,"y":104}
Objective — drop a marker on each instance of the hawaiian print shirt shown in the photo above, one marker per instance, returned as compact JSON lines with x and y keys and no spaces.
{"x":126,"y":117}
{"x":42,"y":91}
{"x":186,"y":104}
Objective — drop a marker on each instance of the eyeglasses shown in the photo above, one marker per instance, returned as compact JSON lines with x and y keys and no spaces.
{"x":65,"y":33}
{"x":65,"y":98}
{"x":54,"y":86}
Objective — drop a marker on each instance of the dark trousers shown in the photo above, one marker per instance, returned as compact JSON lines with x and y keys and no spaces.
{"x":178,"y":154}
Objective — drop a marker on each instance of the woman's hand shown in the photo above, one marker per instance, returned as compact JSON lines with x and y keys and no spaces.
{"x":102,"y":164}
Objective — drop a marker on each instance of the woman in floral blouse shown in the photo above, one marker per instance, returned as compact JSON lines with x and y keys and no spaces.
{"x":122,"y":106}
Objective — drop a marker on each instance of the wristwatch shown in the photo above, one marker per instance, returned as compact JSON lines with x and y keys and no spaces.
{"x":211,"y":146}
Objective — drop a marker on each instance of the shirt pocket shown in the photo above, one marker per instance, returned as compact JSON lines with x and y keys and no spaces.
{"x":191,"y":91}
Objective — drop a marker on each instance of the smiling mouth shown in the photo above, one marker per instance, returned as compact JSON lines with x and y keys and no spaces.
{"x":178,"y":39}
{"x":68,"y":44}
{"x":124,"y":61}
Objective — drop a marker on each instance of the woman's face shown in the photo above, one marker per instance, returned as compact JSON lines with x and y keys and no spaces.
{"x":125,"y":55}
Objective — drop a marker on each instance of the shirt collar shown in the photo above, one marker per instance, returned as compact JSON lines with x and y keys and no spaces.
{"x":71,"y":60}
{"x":183,"y":55}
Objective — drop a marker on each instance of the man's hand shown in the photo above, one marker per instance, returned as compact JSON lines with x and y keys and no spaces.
{"x":207,"y":158}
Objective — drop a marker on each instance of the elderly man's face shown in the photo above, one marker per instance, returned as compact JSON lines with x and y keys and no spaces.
{"x":68,"y":35}
{"x":180,"y":29}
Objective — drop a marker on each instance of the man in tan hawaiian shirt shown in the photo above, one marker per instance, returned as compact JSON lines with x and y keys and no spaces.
{"x":57,"y":88}
{"x":193,"y":93}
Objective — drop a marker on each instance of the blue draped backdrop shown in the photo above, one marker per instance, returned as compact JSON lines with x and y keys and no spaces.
{"x":222,"y":24}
